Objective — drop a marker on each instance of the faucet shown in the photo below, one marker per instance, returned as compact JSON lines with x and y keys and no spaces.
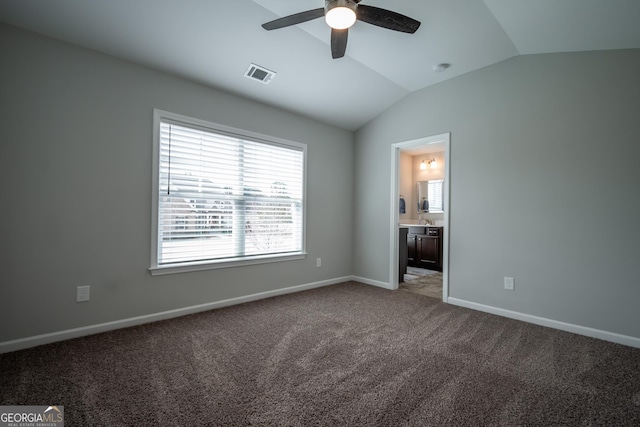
{"x":422,"y":220}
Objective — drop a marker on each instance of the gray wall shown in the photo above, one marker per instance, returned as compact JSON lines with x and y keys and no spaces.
{"x":554,"y":139}
{"x":544,"y":185}
{"x":75,"y":163}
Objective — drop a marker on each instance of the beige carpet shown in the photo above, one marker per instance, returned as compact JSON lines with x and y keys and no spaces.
{"x":423,"y":282}
{"x":341,"y":355}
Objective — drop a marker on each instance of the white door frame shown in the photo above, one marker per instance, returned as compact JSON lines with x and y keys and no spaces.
{"x":445,"y":140}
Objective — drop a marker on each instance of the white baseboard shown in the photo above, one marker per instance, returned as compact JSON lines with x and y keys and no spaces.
{"x":377,"y":283}
{"x":22,"y":343}
{"x":37,"y":340}
{"x":542,"y":321}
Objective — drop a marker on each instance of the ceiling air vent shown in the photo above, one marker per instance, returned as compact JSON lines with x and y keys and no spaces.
{"x":259,"y":73}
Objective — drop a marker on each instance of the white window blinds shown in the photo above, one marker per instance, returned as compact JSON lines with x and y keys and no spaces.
{"x":435,"y":192}
{"x":224,"y":197}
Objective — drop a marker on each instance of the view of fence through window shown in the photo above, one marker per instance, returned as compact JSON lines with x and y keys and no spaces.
{"x":224,"y":197}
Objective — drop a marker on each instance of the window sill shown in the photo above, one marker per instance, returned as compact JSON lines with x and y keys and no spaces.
{"x":227,"y":263}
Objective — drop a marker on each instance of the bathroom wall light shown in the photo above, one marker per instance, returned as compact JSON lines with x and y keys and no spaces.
{"x":433,"y":163}
{"x":423,"y":166}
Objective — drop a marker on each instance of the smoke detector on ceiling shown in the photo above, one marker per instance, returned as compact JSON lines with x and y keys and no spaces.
{"x":259,"y":73}
{"x":438,"y":68}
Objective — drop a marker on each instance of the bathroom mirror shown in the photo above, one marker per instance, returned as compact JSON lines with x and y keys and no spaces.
{"x":430,"y":196}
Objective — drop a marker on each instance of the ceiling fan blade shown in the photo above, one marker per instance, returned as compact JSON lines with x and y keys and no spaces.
{"x":387,"y":19}
{"x":338,"y":42}
{"x":296,"y":18}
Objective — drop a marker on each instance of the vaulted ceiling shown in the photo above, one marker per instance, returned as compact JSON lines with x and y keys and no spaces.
{"x":213,"y":42}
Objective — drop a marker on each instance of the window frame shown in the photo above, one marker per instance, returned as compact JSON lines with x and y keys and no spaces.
{"x":158,"y":117}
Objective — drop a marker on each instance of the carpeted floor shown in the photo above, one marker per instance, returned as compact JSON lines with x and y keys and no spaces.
{"x":343,"y":355}
{"x":423,"y":282}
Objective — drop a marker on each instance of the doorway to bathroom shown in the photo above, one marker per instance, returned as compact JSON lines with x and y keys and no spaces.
{"x":422,"y":281}
{"x":430,"y":220}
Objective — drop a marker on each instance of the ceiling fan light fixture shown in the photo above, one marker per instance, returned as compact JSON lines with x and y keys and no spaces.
{"x":340,"y":14}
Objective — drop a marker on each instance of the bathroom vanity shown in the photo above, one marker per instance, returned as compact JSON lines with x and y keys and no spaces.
{"x":424,"y":247}
{"x":403,"y":255}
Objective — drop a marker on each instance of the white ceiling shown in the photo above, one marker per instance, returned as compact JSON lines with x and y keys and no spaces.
{"x":214,"y":41}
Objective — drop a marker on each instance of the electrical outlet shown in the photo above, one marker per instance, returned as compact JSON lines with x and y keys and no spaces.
{"x":83,"y":293}
{"x":318,"y":262}
{"x":509,"y":283}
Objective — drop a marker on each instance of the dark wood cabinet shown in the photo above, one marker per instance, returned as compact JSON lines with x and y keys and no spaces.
{"x":412,"y":248}
{"x":402,"y":259}
{"x":424,"y":247}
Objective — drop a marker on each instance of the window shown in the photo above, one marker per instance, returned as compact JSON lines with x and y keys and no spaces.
{"x":435,"y":192}
{"x":224,"y":197}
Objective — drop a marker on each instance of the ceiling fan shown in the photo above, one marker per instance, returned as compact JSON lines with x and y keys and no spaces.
{"x":342,"y":14}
